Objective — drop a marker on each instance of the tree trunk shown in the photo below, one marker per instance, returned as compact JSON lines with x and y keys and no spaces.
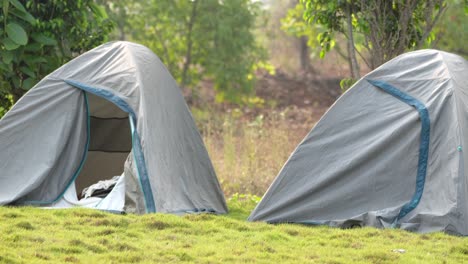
{"x":304,"y":54}
{"x":121,"y":32}
{"x":188,"y":55}
{"x":354,"y":66}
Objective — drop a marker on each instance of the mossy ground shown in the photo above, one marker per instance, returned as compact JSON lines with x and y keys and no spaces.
{"x":32,"y":235}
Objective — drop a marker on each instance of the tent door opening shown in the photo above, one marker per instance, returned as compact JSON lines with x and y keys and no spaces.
{"x":109,"y":143}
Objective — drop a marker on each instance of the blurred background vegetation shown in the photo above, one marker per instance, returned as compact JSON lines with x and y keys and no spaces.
{"x":257,"y":74}
{"x":225,"y":44}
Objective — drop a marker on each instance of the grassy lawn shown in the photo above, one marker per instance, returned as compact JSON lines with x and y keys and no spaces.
{"x":31,"y":235}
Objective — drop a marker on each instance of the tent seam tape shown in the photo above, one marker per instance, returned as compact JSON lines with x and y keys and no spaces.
{"x":196,"y":210}
{"x":132,"y":128}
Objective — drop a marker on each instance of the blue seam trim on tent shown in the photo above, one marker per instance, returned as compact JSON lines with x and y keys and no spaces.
{"x":195,"y":210}
{"x":83,"y":158}
{"x":423,"y":146}
{"x":111,"y":211}
{"x":309,"y":223}
{"x":315,"y":223}
{"x":138,"y":154}
{"x":136,"y":145}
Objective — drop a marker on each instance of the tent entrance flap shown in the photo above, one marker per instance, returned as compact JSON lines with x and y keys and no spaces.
{"x":113,"y":100}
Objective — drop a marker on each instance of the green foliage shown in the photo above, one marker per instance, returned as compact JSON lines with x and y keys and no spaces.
{"x":239,"y":200}
{"x":295,"y":25}
{"x":9,"y":102}
{"x":346,"y":83}
{"x":389,"y":28}
{"x":198,"y":40}
{"x":452,"y":31}
{"x":240,"y":205}
{"x":39,"y":36}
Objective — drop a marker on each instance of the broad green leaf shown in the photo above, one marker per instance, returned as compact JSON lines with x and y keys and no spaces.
{"x":9,"y":44}
{"x":16,"y":33}
{"x":322,"y":53}
{"x":39,"y":60}
{"x":354,"y":21}
{"x":16,"y":83}
{"x":5,"y":68}
{"x":33,"y":47}
{"x":319,"y":37}
{"x":18,"y":5}
{"x":24,"y":16}
{"x":7,"y":57}
{"x":28,"y":72}
{"x":31,"y":61}
{"x":43,"y":39}
{"x":28,"y":83}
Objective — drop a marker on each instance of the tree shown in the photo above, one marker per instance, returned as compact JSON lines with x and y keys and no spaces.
{"x":451,"y":33}
{"x":39,"y":36}
{"x":117,"y":12}
{"x":294,"y":24}
{"x":201,"y":39}
{"x":388,"y":27}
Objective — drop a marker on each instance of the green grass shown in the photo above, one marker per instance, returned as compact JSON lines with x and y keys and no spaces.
{"x":31,"y":235}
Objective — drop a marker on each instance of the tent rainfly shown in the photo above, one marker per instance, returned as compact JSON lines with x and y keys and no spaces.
{"x":389,"y":153}
{"x":113,"y":111}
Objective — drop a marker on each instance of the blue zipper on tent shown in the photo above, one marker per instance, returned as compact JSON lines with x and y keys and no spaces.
{"x":423,"y":146}
{"x":135,"y":143}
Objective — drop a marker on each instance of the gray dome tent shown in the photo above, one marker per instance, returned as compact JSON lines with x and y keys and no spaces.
{"x":114,"y":110}
{"x":389,"y":153}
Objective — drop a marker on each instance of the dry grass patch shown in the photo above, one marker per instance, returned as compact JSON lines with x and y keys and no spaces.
{"x":249,"y":150}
